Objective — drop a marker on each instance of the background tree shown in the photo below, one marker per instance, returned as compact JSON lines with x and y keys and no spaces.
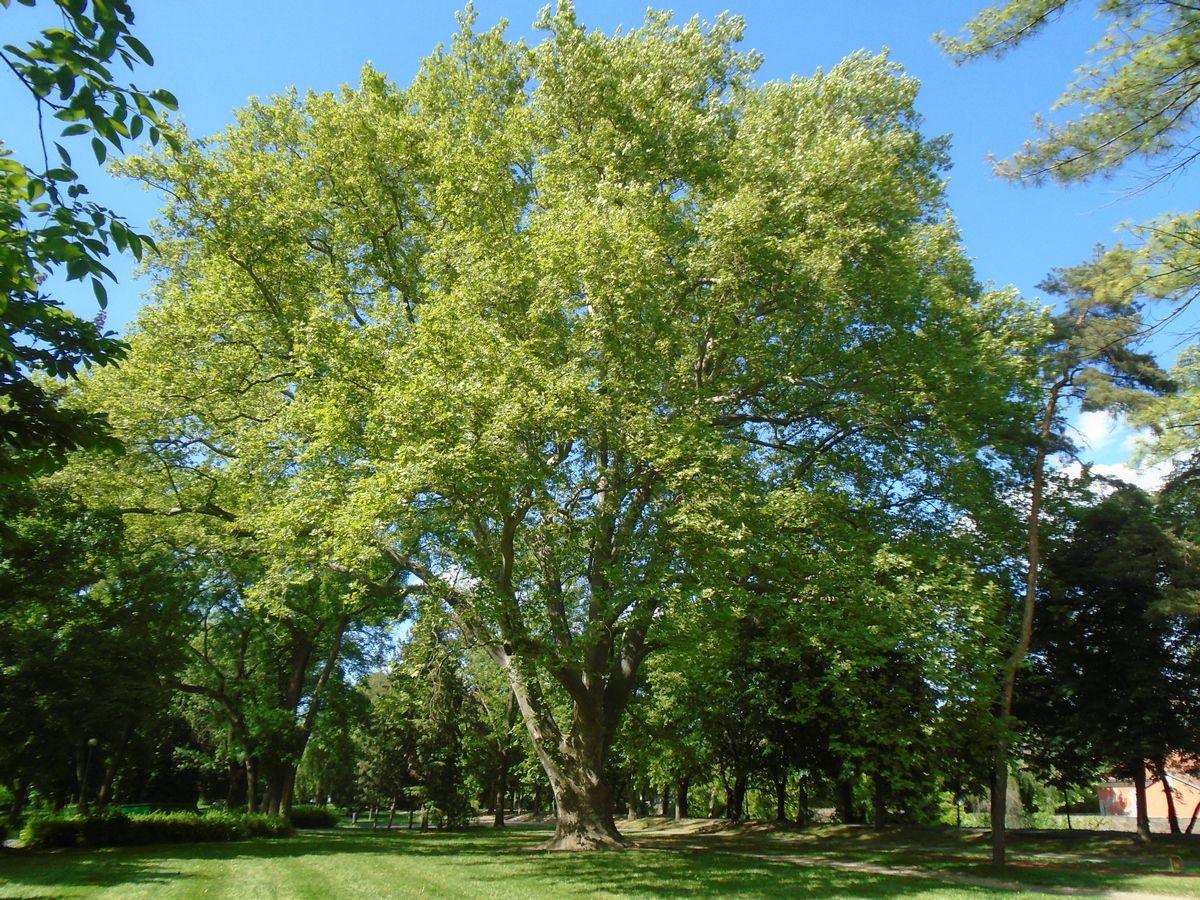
{"x":1115,"y":661}
{"x":94,"y":631}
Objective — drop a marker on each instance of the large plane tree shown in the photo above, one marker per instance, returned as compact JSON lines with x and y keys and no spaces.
{"x":569,"y":332}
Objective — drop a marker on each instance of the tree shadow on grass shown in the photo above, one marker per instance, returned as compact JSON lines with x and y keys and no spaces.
{"x":475,"y":861}
{"x":472,"y":862}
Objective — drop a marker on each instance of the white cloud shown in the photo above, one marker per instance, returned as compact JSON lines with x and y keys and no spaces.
{"x":1148,"y":478}
{"x":1098,"y":430}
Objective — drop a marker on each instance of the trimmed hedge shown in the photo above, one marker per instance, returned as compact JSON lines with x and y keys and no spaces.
{"x":112,"y":828}
{"x":313,"y":816}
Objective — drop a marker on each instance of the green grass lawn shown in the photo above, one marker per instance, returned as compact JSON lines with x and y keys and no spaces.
{"x":486,"y":863}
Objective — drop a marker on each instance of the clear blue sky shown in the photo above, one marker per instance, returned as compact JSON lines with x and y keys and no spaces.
{"x":213,"y":54}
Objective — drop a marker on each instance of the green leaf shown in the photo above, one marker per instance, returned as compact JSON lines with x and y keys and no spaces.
{"x":140,"y":49}
{"x":100,"y":292}
{"x":166,"y":98}
{"x":99,"y":149}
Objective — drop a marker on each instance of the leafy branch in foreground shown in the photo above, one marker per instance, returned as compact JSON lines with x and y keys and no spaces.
{"x":49,"y":227}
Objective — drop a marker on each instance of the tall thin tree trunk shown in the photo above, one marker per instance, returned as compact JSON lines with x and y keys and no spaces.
{"x":501,"y":790}
{"x":879,"y":799}
{"x":1160,"y":770}
{"x":1192,"y":823}
{"x":781,"y":799}
{"x":392,"y":811}
{"x":1143,"y":814}
{"x":802,"y":803}
{"x":999,"y":785}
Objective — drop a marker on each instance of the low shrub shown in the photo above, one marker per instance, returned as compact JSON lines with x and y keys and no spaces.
{"x":112,"y":828}
{"x":313,"y":816}
{"x":52,"y":830}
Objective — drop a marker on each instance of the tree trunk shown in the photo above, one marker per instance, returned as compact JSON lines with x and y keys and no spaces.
{"x":287,"y":790}
{"x":1192,"y":823}
{"x":999,"y":801}
{"x":1143,"y":814}
{"x":575,"y":758}
{"x":1160,"y":770}
{"x":633,"y":805}
{"x":584,"y":806}
{"x":802,"y":804}
{"x":82,"y":759}
{"x":501,"y":791}
{"x":879,"y":799}
{"x":251,"y":784}
{"x":846,"y":801}
{"x":111,"y":767}
{"x":681,"y":799}
{"x":392,"y":812}
{"x":781,"y":799}
{"x":236,"y":775}
{"x":1025,"y":637}
{"x":20,"y":797}
{"x":736,"y":801}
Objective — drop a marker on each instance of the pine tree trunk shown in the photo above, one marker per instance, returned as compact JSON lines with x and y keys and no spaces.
{"x":1143,"y":815}
{"x":1192,"y":823}
{"x":1160,"y":770}
{"x":999,"y":784}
